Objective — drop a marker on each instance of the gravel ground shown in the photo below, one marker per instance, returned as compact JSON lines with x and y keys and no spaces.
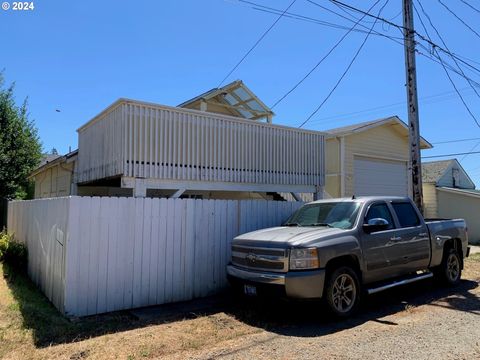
{"x":420,"y":321}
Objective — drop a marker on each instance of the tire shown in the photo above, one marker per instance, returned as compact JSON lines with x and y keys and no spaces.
{"x":342,"y":291}
{"x":450,"y":270}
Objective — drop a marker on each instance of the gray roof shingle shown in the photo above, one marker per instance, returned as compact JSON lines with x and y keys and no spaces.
{"x":434,"y":170}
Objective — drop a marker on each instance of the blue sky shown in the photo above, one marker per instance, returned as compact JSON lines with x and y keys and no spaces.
{"x":79,"y":57}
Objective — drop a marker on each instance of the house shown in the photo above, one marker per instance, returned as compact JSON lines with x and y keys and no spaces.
{"x":219,"y":145}
{"x":369,"y":158}
{"x":448,"y":192}
{"x":54,"y":176}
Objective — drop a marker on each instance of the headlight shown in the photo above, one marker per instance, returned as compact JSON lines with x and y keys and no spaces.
{"x":302,"y":259}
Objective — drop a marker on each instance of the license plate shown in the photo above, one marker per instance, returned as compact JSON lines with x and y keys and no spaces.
{"x":250,"y":290}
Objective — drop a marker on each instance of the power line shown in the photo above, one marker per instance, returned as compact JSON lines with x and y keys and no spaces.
{"x":256,"y":43}
{"x":441,"y":39}
{"x":321,"y":60}
{"x":271,"y":10}
{"x":400,"y":27}
{"x":436,"y":58}
{"x":473,"y":148}
{"x":393,"y":38}
{"x":459,"y":19}
{"x":470,"y":6}
{"x":425,"y":101}
{"x":451,"y":80}
{"x":454,"y":141}
{"x":448,"y":155}
{"x":296,"y":16}
{"x":346,"y":70}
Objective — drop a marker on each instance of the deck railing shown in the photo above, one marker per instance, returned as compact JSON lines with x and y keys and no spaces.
{"x":143,"y":140}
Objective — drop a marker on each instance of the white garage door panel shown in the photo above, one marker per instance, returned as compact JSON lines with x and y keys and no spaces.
{"x":380,"y":177}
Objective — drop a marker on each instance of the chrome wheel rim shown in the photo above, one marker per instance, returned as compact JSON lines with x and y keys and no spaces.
{"x":344,"y":293}
{"x":453,"y":267}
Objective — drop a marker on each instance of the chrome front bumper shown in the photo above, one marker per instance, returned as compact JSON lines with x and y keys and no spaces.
{"x":297,"y":284}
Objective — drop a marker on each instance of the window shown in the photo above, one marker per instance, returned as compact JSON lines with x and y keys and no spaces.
{"x":407,"y":216}
{"x":380,"y":211}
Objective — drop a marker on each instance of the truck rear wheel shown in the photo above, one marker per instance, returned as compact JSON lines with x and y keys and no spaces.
{"x":342,"y":291}
{"x":450,"y":270}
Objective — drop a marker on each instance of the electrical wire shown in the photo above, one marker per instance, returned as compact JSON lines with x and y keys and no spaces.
{"x":441,"y":39}
{"x":346,"y":70}
{"x":321,"y":60}
{"x":451,"y":80}
{"x":400,"y":27}
{"x":473,"y":148}
{"x":454,"y":141}
{"x":459,"y":18}
{"x":296,"y":16}
{"x":396,"y":39}
{"x":447,"y":155}
{"x":431,"y":99}
{"x":256,"y":43}
{"x":470,"y":6}
{"x":428,"y":54}
{"x":267,"y":9}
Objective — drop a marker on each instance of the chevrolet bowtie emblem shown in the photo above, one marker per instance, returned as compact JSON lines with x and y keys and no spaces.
{"x":251,"y":257}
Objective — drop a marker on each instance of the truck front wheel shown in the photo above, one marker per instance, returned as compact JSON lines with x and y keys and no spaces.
{"x":450,"y":270}
{"x":342,"y":291}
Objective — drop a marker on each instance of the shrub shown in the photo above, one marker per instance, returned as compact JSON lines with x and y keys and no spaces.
{"x":13,"y":253}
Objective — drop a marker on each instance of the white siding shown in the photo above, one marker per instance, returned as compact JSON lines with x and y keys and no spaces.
{"x":122,"y":253}
{"x":430,"y":201}
{"x":151,"y":141}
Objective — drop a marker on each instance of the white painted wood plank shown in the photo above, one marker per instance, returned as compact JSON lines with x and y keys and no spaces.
{"x":146,"y":247}
{"x":103,"y":256}
{"x":94,"y":248}
{"x":170,"y":240}
{"x":162,"y":251}
{"x":189,"y":226}
{"x":154,"y":255}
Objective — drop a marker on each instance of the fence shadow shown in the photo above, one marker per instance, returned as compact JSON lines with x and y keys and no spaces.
{"x":49,"y":327}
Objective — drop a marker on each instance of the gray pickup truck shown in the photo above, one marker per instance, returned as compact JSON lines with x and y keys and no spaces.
{"x":340,"y":249}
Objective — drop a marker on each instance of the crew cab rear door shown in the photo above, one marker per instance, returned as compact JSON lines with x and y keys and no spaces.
{"x":412,"y":239}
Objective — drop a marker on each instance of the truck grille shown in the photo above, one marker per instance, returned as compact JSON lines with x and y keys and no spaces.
{"x":255,"y":258}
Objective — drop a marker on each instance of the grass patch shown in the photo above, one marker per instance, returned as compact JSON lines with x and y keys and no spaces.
{"x":474,"y":257}
{"x":31,"y":328}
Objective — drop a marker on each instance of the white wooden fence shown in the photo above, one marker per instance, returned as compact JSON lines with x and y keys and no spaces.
{"x":95,"y":255}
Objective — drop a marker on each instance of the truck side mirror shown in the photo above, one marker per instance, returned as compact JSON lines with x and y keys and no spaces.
{"x":376,"y":224}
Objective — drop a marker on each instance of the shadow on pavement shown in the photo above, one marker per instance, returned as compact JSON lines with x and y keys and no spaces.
{"x":307,"y":319}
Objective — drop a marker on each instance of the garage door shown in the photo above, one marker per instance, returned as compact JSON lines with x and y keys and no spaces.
{"x":379,"y":177}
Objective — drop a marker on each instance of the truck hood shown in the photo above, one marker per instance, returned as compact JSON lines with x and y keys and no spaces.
{"x":285,"y":235}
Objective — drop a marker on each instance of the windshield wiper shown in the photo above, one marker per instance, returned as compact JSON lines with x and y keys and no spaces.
{"x":321,"y":224}
{"x":292,"y":224}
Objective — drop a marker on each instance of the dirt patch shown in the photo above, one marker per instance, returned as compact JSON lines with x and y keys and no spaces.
{"x":421,"y":321}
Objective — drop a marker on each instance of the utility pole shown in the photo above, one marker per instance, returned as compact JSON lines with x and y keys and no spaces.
{"x":412,"y":99}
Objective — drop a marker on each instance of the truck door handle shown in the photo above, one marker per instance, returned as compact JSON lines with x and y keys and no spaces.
{"x":422,"y":234}
{"x":396,"y":238}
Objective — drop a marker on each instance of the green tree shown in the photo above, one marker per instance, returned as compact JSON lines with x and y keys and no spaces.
{"x":20,"y":147}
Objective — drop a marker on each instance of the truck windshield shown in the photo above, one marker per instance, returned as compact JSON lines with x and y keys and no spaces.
{"x":340,"y":215}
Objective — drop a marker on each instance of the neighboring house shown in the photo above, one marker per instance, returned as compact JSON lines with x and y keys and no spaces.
{"x":219,"y":145}
{"x":369,"y":158}
{"x":54,"y":176}
{"x":448,"y":192}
